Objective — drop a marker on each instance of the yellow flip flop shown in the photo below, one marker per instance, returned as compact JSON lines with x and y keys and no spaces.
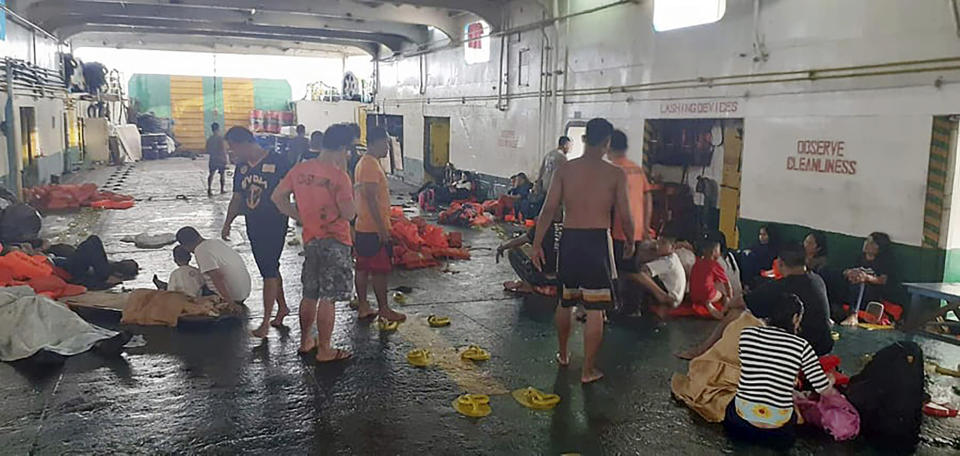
{"x":419,"y":357}
{"x":533,"y":398}
{"x":473,"y":405}
{"x":387,"y":325}
{"x":400,"y":298}
{"x":475,"y":353}
{"x":354,"y":303}
{"x":874,"y":327}
{"x":438,"y":322}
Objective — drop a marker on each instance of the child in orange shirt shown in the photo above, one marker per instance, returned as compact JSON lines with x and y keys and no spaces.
{"x":707,"y":272}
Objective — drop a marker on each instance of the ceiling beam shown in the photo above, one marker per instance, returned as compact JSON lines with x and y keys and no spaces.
{"x":201,"y":43}
{"x":218,"y":36}
{"x":392,"y":42}
{"x":444,"y":18}
{"x":59,"y":13}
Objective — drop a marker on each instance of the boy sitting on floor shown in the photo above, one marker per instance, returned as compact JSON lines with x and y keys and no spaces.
{"x":185,"y":279}
{"x":706,"y":274}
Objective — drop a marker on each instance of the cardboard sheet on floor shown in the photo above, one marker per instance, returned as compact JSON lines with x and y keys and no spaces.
{"x":156,"y":308}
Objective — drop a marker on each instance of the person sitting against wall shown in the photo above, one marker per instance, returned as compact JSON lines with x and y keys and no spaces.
{"x":816,"y":251}
{"x":771,"y":358}
{"x":869,"y":280}
{"x":759,"y":257}
{"x":516,"y":201}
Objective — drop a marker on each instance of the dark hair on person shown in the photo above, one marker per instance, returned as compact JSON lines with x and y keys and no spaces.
{"x":598,"y":131}
{"x":316,"y":140}
{"x":181,"y":254}
{"x":883,"y":242}
{"x":188,"y":235}
{"x":125,"y":268}
{"x":782,"y":312}
{"x":564,"y":140}
{"x":214,"y":126}
{"x":239,"y":135}
{"x":338,"y":136}
{"x":376,"y":134}
{"x":821,"y":240}
{"x":618,"y":141}
{"x":301,"y":128}
{"x":773,"y":234}
{"x":792,"y":255}
{"x":706,"y":246}
{"x":523,"y":176}
{"x":719,"y":238}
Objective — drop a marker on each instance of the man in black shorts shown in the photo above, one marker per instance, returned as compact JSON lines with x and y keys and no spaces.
{"x":589,"y":189}
{"x":257,"y":175}
{"x":217,"y":153}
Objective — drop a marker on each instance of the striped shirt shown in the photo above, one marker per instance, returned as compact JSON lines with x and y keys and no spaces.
{"x":770,"y":359}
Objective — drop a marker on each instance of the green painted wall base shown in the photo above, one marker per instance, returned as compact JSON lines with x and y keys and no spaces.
{"x":914,"y":264}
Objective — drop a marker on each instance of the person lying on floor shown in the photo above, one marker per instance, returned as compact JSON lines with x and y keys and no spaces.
{"x":869,"y":278}
{"x":762,"y":302}
{"x":41,"y":331}
{"x":663,"y":279}
{"x":771,"y":358}
{"x":186,"y":279}
{"x":85,"y":264}
{"x":547,"y":278}
{"x":707,"y":276}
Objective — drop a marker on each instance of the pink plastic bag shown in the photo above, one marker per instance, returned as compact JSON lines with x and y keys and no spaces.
{"x":832,"y":413}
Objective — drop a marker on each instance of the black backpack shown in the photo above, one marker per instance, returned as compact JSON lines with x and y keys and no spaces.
{"x":889,"y":395}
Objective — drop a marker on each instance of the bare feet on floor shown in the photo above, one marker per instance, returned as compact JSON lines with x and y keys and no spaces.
{"x":308,"y":346}
{"x":392,"y":315}
{"x":262,"y":331}
{"x":332,"y":355}
{"x":851,"y":321}
{"x":281,"y":314}
{"x":590,"y":376}
{"x":364,"y":311}
{"x":563,"y":359}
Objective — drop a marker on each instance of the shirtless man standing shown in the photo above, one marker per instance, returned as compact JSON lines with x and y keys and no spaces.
{"x":589,"y":189}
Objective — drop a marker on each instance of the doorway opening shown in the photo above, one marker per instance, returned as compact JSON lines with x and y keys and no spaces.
{"x":698,"y":164}
{"x":436,"y":150}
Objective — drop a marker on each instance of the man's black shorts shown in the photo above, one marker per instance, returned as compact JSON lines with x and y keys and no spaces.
{"x":585,"y":268}
{"x":266,"y":242}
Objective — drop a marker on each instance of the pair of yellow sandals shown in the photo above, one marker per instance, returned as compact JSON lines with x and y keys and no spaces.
{"x":433,"y":320}
{"x":478,"y":405}
{"x":421,"y":358}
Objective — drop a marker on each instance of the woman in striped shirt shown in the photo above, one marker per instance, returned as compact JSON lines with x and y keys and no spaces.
{"x":771,"y":357}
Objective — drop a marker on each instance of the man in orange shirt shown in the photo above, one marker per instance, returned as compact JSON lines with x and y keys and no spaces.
{"x":641,"y":207}
{"x":373,"y":227}
{"x":325,"y":207}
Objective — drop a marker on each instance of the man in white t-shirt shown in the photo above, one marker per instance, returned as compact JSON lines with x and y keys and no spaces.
{"x":222,"y":267}
{"x":664,"y":277}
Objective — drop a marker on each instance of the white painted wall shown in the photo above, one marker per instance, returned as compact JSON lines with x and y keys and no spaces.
{"x":886,"y":192}
{"x":618,"y":46}
{"x":318,"y":115}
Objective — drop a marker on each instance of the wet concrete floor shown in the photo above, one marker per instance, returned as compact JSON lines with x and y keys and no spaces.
{"x":215,"y":390}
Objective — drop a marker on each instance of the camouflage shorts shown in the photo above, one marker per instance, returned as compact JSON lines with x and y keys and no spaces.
{"x":327,"y":270}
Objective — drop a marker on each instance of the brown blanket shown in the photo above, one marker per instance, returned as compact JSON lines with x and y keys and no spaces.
{"x":164,"y":308}
{"x":712,"y":378}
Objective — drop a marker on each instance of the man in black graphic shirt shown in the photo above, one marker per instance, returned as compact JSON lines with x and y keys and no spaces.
{"x":257,"y":175}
